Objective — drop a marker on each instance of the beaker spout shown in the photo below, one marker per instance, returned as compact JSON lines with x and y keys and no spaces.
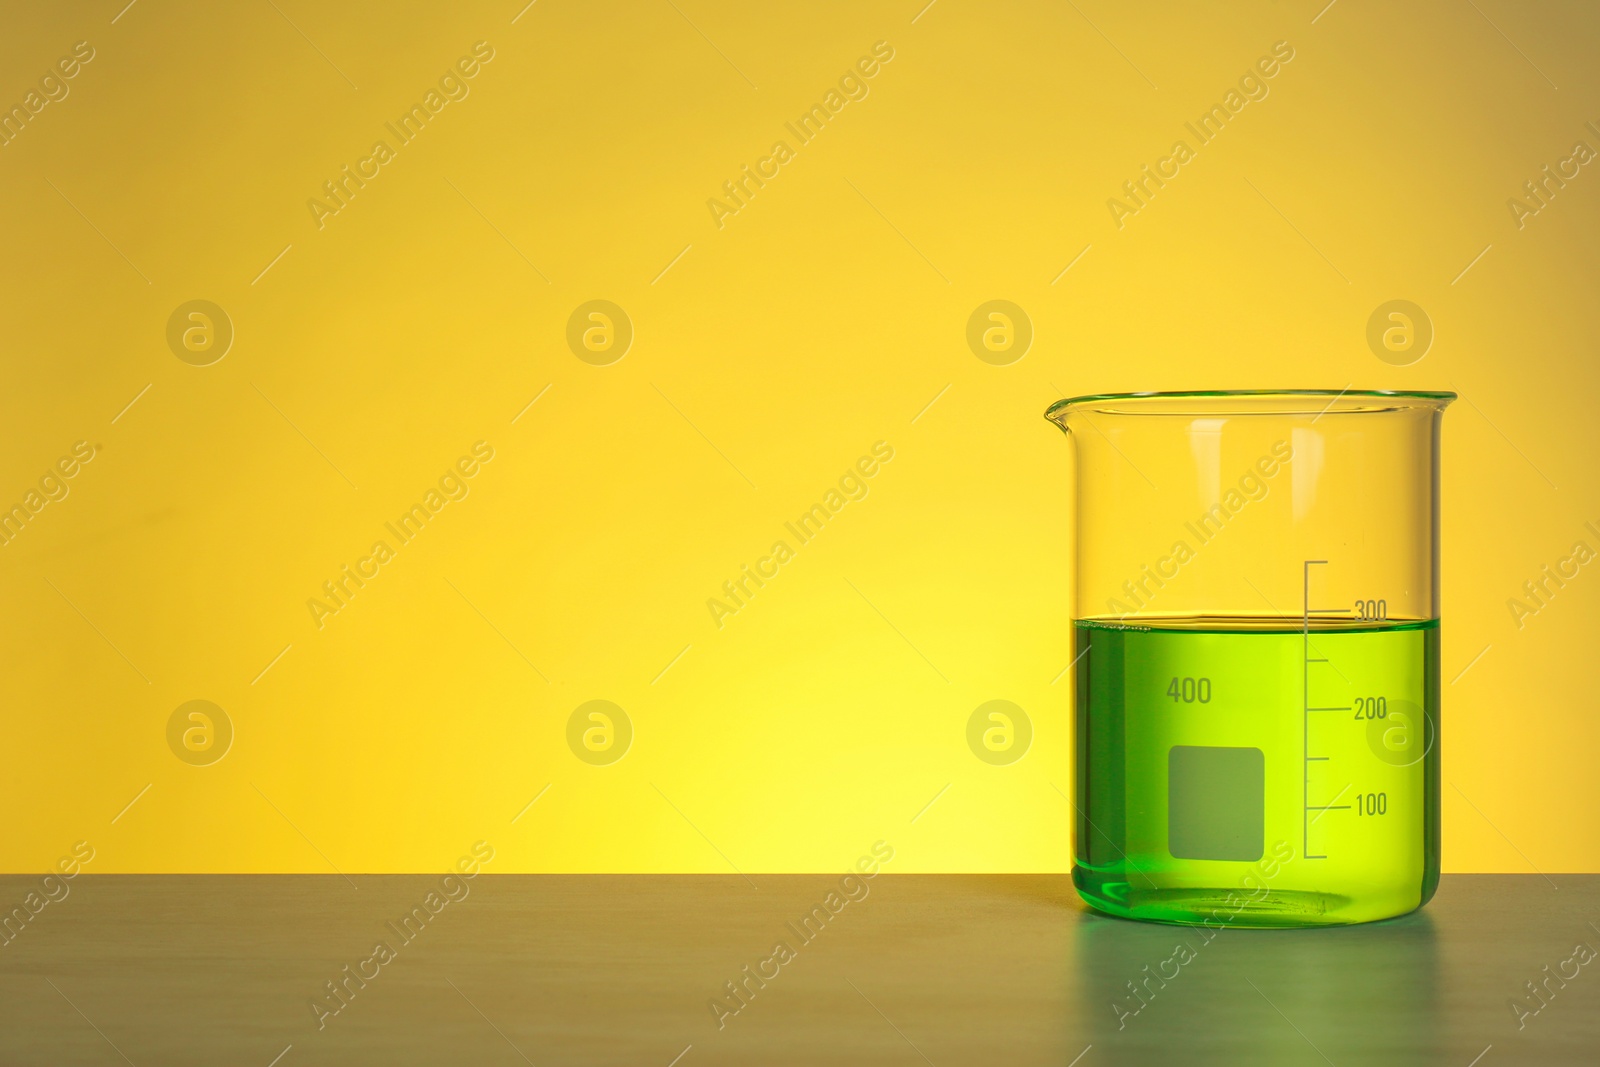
{"x":1057,"y":413}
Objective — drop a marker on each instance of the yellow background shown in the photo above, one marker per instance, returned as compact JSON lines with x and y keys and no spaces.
{"x":822,"y":318}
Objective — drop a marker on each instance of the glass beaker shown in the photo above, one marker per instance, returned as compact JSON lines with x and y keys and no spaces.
{"x":1256,"y":616}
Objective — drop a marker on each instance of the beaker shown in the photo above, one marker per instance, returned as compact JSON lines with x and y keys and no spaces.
{"x":1256,"y":616}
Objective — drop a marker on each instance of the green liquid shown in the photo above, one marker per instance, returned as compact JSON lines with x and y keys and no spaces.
{"x":1248,"y":773}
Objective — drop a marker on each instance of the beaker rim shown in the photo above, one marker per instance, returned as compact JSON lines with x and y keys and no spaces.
{"x":1442,"y":397}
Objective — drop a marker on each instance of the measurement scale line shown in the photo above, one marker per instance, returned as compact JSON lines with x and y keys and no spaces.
{"x":1345,"y":708}
{"x":1305,"y":719}
{"x":1305,"y":702}
{"x":1328,"y":807}
{"x":1336,"y":800}
{"x":1329,"y":662}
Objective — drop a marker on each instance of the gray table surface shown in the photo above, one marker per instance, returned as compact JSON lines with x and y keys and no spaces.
{"x":925,"y":969}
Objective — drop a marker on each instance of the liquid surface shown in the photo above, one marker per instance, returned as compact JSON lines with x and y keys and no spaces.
{"x":1257,"y":772}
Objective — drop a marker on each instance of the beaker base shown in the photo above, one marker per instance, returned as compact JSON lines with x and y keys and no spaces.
{"x":1220,"y":908}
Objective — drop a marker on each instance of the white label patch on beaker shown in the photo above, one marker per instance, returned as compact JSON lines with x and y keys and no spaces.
{"x":1216,"y":803}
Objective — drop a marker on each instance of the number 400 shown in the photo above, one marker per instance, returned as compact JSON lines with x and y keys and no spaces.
{"x":1190,"y":690}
